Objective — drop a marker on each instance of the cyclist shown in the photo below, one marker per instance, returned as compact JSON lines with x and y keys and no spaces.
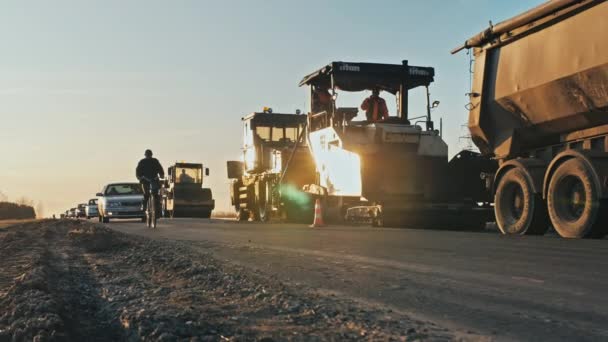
{"x":148,"y":169}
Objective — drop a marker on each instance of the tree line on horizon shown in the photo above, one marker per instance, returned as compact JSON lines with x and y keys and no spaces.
{"x":14,"y":211}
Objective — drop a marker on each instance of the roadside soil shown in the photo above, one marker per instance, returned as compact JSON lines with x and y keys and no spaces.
{"x":73,"y":280}
{"x":7,"y":223}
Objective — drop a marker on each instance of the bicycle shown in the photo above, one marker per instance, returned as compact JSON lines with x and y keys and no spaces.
{"x":153,"y":202}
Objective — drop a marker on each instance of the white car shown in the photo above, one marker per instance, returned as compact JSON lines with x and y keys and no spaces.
{"x":91,"y":208}
{"x":120,"y":201}
{"x":80,"y":210}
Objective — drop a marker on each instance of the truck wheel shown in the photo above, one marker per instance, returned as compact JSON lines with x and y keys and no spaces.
{"x":263,"y":210}
{"x":518,"y":210}
{"x":242,"y":215}
{"x":573,"y":201}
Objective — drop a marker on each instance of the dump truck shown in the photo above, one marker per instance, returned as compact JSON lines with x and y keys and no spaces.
{"x":276,"y":164}
{"x":539,"y":106}
{"x":394,"y":171}
{"x":183,"y":194}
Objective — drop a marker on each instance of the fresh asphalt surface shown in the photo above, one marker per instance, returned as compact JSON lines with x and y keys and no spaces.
{"x":481,"y":284}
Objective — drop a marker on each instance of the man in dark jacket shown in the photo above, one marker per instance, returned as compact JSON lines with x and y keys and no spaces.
{"x":148,"y":169}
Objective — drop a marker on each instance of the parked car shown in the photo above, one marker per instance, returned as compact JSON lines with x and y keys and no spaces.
{"x":91,"y":208}
{"x":81,"y":210}
{"x":72,"y":213}
{"x":120,"y":201}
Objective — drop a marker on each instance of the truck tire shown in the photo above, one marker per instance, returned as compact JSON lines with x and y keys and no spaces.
{"x":518,"y":210}
{"x":263,"y":213}
{"x":573,"y":201}
{"x":262,"y":205}
{"x":242,"y":215}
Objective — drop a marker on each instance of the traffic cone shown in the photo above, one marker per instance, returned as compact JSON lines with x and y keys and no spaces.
{"x":318,"y":221}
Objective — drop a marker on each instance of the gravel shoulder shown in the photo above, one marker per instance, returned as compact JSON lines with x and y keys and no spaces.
{"x":72,"y":280}
{"x":478,"y":285}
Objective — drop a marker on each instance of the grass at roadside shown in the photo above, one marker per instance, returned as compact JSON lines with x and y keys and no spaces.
{"x":8,"y":223}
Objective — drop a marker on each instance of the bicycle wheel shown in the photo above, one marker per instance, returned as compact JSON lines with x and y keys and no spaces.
{"x":149,"y":212}
{"x":153,"y":211}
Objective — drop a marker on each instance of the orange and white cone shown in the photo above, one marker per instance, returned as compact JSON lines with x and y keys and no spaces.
{"x":318,"y":221}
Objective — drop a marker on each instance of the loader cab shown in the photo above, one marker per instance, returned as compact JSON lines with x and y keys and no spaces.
{"x":266,"y":134}
{"x":395,"y":79}
{"x":187,"y":174}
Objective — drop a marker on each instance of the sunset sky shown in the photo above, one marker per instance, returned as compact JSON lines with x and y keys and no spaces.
{"x":87,"y":86}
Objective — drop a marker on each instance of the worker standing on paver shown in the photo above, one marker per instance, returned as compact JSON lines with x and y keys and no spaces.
{"x":375,"y":107}
{"x":321,"y":101}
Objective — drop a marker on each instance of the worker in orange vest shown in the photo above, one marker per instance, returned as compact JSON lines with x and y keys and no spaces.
{"x":375,"y":107}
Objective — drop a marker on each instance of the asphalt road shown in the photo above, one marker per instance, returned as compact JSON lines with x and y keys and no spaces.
{"x":481,"y":284}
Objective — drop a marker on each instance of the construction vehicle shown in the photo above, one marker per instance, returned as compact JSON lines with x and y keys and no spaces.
{"x":539,"y":105}
{"x":396,"y":171}
{"x":276,"y":165}
{"x":183,"y":194}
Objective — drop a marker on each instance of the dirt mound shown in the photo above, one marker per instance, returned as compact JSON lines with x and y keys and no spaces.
{"x":29,"y":310}
{"x":97,"y":238}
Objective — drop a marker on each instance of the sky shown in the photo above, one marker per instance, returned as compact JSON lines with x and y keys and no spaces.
{"x":87,"y":86}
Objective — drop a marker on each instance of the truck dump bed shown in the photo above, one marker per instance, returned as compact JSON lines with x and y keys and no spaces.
{"x":540,"y":76}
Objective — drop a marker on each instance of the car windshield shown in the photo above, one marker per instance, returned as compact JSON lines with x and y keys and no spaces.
{"x":93,"y":201}
{"x":124,"y":189}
